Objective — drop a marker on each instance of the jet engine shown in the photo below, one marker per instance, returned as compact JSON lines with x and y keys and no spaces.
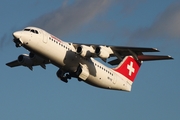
{"x":25,"y":60}
{"x":82,"y":72}
{"x":103,"y":52}
{"x":85,"y":51}
{"x":31,"y":60}
{"x":35,"y":58}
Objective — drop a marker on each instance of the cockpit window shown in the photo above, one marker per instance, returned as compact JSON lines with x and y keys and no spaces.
{"x":31,"y":30}
{"x":36,"y":31}
{"x":26,"y":29}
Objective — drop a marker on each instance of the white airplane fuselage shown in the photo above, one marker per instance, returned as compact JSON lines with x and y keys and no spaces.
{"x":77,"y":60}
{"x":63,"y":55}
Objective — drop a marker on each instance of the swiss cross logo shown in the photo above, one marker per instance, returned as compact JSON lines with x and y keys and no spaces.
{"x":130,"y":68}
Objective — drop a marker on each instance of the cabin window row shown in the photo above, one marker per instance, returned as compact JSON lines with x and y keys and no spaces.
{"x":103,"y":69}
{"x":55,"y":41}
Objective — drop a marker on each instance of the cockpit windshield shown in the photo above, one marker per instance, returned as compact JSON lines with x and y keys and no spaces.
{"x":26,"y":29}
{"x":31,"y":30}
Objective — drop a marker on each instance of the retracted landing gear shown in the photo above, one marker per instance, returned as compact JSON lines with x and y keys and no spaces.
{"x":63,"y":76}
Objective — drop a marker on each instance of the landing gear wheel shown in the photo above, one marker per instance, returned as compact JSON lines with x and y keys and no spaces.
{"x":18,"y":44}
{"x":68,"y":76}
{"x":61,"y":75}
{"x":64,"y":80}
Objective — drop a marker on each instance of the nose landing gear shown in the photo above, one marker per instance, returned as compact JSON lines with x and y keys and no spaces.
{"x":18,"y":43}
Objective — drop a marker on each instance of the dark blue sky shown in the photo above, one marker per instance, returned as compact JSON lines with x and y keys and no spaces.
{"x":39,"y":94}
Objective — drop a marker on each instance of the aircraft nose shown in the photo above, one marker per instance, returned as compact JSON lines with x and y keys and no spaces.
{"x":17,"y":35}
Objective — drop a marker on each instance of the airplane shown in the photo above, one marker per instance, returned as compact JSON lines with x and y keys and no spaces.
{"x":76,"y":60}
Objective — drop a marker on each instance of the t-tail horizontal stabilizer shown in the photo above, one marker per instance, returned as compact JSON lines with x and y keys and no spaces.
{"x":153,"y":57}
{"x":144,"y":58}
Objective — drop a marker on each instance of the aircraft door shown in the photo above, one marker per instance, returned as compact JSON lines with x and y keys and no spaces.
{"x":115,"y":79}
{"x":45,"y":38}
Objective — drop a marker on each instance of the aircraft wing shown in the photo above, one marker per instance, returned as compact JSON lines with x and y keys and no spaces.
{"x":25,"y":60}
{"x":121,"y":51}
{"x":14,"y":63}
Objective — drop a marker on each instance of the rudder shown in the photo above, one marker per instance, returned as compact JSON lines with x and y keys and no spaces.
{"x":129,"y":68}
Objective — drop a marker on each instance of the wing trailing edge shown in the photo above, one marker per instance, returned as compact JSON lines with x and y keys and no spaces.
{"x":153,"y":57}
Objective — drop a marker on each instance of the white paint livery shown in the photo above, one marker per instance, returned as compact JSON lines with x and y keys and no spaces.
{"x":130,"y":68}
{"x":77,"y":60}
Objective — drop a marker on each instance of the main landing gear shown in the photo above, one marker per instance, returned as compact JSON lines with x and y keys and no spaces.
{"x":63,"y":76}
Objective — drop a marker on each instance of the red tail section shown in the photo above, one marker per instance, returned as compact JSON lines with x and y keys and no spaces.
{"x":129,"y":67}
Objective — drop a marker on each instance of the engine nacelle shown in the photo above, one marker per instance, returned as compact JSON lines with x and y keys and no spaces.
{"x":85,"y":51}
{"x":25,"y":60}
{"x":82,"y":72}
{"x":35,"y":58}
{"x":103,"y":52}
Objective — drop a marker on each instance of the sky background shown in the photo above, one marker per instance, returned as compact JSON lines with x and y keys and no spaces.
{"x":40,"y":95}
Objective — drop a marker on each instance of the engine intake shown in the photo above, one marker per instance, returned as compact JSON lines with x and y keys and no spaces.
{"x":85,"y":51}
{"x":25,"y":60}
{"x":102,"y":52}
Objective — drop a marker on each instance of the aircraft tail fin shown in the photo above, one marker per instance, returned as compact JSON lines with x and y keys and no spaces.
{"x":129,"y":68}
{"x":130,"y":65}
